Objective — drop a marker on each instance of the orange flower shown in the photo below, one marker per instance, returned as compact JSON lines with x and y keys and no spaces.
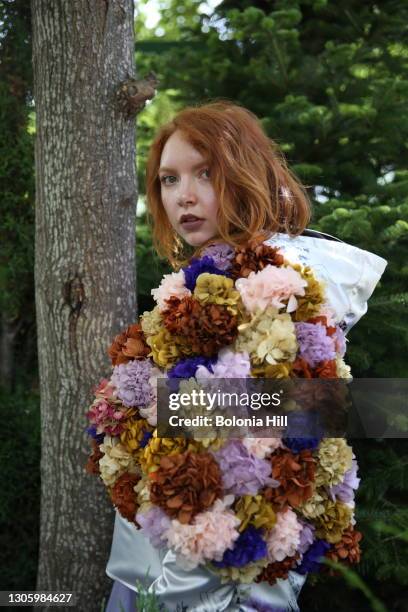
{"x":128,"y":345}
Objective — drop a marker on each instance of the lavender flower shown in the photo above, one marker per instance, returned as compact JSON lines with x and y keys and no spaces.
{"x":314,"y":344}
{"x":132,"y":382}
{"x":313,"y":557}
{"x":306,"y":537}
{"x":243,"y":473}
{"x":221,"y":254}
{"x":345,"y":490}
{"x":249,"y":547}
{"x":197,"y":267}
{"x":154,"y":524}
{"x":340,"y":340}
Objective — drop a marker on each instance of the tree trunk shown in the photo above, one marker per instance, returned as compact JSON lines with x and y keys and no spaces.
{"x":84,"y":267}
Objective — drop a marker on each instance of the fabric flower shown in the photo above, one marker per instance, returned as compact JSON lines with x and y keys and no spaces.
{"x":130,"y":344}
{"x":221,"y":254}
{"x":159,"y":447}
{"x":331,"y":524}
{"x":277,"y":570}
{"x":217,"y":289}
{"x":348,"y":548}
{"x":334,"y":458}
{"x":151,"y":321}
{"x":227,"y":365}
{"x":105,"y":390}
{"x":268,"y":337}
{"x":205,"y":329}
{"x":107,"y":418}
{"x":344,"y":491}
{"x":173,"y":284}
{"x":314,"y":344}
{"x":211,"y":533}
{"x":301,"y":431}
{"x":123,"y":496}
{"x":132,"y":382}
{"x":249,"y":547}
{"x":296,"y":475}
{"x":342,"y":369}
{"x":283,"y":540}
{"x":306,"y":537}
{"x":115,"y":461}
{"x":314,"y":505}
{"x":154,"y":523}
{"x":254,"y":510}
{"x":243,"y":473}
{"x":186,"y":484}
{"x":200,"y":266}
{"x":272,"y":286}
{"x":92,"y":465}
{"x":166,"y":349}
{"x":133,"y":433}
{"x":261,"y":447}
{"x":313,"y":557}
{"x":245,"y":574}
{"x":254,"y":257}
{"x":308,"y":305}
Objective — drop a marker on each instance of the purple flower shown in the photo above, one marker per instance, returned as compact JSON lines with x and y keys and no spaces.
{"x":221,"y":254}
{"x":303,"y":431}
{"x":243,"y":473}
{"x":314,"y":344}
{"x":132,"y":382}
{"x":197,"y":267}
{"x":306,"y":537}
{"x":340,"y":340}
{"x":313,"y":557}
{"x":91,"y":431}
{"x":146,"y":437}
{"x":345,"y":490}
{"x":185,"y":368}
{"x":249,"y":547}
{"x":154,"y":524}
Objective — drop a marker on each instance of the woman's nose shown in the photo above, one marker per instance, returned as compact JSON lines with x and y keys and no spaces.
{"x":187,"y":194}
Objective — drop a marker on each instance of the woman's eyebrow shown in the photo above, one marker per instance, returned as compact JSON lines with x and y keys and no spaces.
{"x":168,"y":169}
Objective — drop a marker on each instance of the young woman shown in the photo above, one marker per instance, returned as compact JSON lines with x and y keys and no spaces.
{"x":213,"y":175}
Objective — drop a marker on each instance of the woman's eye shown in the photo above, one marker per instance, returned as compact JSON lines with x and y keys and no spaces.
{"x":166,"y":176}
{"x":208,"y":172}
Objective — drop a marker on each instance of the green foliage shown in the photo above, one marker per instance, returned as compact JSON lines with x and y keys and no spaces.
{"x":20,"y":488}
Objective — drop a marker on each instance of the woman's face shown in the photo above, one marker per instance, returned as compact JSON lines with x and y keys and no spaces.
{"x":186,"y":190}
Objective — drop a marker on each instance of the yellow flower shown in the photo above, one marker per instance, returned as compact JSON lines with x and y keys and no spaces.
{"x":256,"y":510}
{"x":217,"y":289}
{"x":315,"y":505}
{"x":115,"y":461}
{"x":331,"y":524}
{"x":151,"y":321}
{"x":156,"y":448}
{"x":333,"y":460}
{"x":166,"y":348}
{"x":309,"y":304}
{"x":246,"y":574}
{"x":279,"y":370}
{"x":269,"y":337}
{"x":132,"y":434}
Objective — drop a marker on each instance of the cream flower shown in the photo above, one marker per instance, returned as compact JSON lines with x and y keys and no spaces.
{"x":333,"y":460}
{"x":151,"y":322}
{"x":261,"y":447}
{"x":268,"y":337}
{"x":172,"y":284}
{"x":271,"y":286}
{"x":115,"y":461}
{"x":245,"y":574}
{"x":343,"y":370}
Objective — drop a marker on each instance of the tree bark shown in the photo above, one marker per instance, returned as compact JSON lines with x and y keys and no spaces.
{"x":86,"y":198}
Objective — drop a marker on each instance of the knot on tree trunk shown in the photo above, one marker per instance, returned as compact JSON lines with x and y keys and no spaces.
{"x":132,"y":94}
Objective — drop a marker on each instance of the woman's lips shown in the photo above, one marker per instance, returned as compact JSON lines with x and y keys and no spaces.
{"x":191,"y":224}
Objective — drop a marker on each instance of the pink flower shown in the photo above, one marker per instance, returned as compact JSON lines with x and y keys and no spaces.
{"x":106,"y":417}
{"x":105,"y":390}
{"x":271,"y":286}
{"x":261,"y":447}
{"x":207,"y":538}
{"x":284,"y":539}
{"x":172,"y":284}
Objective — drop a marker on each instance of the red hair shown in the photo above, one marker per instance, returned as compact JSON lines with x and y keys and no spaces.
{"x":257,"y":192}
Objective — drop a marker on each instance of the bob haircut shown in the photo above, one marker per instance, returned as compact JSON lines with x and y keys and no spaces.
{"x":258,"y":194}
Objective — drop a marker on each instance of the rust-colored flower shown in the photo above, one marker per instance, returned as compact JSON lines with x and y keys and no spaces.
{"x":253,"y":257}
{"x":186,"y":484}
{"x":128,"y":345}
{"x":301,"y":369}
{"x":327,"y":369}
{"x":207,"y":328}
{"x":92,"y":465}
{"x":124,"y":496}
{"x":330,"y":331}
{"x":296,"y":474}
{"x":348,"y":549}
{"x":278,"y":569}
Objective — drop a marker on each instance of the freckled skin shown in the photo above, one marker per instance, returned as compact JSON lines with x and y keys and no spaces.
{"x":186,"y":189}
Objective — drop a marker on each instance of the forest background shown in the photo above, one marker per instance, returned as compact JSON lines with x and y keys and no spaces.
{"x":329,"y":82}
